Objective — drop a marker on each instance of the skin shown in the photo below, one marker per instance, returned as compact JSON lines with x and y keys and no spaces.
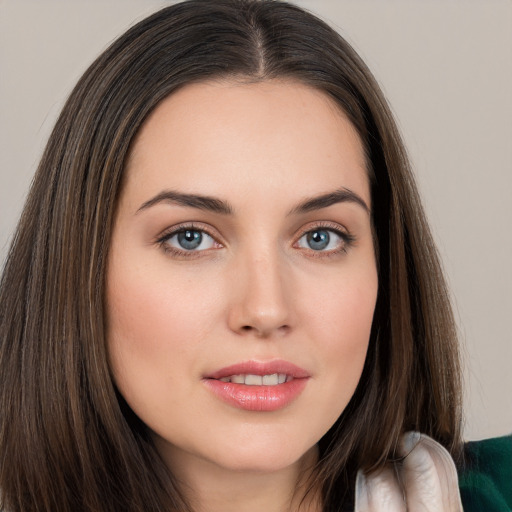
{"x":256,"y":290}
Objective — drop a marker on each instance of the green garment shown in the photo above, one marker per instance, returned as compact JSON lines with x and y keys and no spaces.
{"x":485,"y":481}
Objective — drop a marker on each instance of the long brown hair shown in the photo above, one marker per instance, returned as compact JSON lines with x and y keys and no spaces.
{"x":68,"y":441}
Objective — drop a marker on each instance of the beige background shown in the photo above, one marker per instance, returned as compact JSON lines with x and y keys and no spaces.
{"x":445,"y":66}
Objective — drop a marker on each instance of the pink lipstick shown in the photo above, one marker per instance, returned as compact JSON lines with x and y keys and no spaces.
{"x":258,"y":386}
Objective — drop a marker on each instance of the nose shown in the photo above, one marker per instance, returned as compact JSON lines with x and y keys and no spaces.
{"x":262,"y":303}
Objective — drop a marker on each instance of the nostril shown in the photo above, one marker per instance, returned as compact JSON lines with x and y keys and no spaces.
{"x":283,"y":329}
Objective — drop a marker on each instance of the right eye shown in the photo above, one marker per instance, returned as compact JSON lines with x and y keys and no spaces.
{"x":321,"y":240}
{"x":187,"y":240}
{"x":191,"y":240}
{"x":325,"y":239}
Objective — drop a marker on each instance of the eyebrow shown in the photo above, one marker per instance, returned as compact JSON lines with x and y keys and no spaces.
{"x":200,"y":202}
{"x":342,"y":195}
{"x":216,"y":205}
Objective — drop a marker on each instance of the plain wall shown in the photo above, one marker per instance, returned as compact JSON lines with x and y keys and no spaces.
{"x":445,"y":67}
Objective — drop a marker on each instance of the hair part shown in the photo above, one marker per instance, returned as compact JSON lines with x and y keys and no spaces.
{"x":67,"y":438}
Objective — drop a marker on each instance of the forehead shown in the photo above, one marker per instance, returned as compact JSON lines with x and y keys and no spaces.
{"x":213,"y":135}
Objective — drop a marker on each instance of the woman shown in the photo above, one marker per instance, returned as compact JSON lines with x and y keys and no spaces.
{"x":222,"y":291}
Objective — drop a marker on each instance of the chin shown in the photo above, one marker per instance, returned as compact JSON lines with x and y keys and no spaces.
{"x":265,"y":456}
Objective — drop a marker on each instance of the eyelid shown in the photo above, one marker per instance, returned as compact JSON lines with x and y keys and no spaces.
{"x":347,"y":237}
{"x":323,"y":224}
{"x":187,"y":226}
{"x":340,"y":230}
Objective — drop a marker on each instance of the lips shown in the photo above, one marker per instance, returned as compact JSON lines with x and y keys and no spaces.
{"x":258,"y":380}
{"x":258,"y":386}
{"x":260,"y":368}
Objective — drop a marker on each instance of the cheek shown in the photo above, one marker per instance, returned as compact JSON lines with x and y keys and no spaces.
{"x":158,"y":324}
{"x":342,"y":308}
{"x":348,"y":336}
{"x":149,"y":310}
{"x":152,"y":332}
{"x":340,"y":320}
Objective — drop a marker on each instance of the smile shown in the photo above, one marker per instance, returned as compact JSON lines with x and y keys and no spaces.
{"x":258,"y":380}
{"x":258,"y":386}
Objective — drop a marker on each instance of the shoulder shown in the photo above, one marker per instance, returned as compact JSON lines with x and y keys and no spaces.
{"x":485,"y":480}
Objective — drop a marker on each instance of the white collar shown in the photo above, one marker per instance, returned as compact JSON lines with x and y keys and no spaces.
{"x":424,"y":481}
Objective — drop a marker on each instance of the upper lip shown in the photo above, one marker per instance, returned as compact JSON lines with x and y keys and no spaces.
{"x":260,"y":368}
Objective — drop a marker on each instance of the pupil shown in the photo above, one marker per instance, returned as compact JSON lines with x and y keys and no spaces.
{"x":318,"y":240}
{"x":190,"y":239}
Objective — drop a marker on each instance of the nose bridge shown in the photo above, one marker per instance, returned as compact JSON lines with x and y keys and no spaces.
{"x":262,"y":304}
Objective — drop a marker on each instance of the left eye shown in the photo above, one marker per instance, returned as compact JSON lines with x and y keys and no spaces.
{"x":321,"y":240}
{"x":190,"y":240}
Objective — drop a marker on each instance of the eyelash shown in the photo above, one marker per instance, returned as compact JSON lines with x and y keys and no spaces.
{"x":347,"y":238}
{"x":163,"y":240}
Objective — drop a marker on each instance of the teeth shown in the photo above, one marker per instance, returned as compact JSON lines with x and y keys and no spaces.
{"x":253,"y":380}
{"x":258,"y":380}
{"x":270,"y":380}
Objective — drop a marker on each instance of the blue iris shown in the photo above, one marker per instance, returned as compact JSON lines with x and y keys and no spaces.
{"x":318,"y":240}
{"x":190,"y":240}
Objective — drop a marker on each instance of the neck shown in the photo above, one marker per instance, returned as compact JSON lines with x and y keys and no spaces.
{"x":211,"y":488}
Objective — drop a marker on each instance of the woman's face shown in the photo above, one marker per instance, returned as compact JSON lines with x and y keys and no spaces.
{"x":242,"y":257}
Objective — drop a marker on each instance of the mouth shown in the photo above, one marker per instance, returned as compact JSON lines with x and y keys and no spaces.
{"x":254,"y":372}
{"x":258,"y":386}
{"x":258,"y":380}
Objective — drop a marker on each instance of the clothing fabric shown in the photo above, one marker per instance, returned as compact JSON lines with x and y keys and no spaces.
{"x":426,"y":479}
{"x":485,"y":481}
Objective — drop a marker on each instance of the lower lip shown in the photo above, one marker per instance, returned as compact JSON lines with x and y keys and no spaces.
{"x":257,"y":398}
